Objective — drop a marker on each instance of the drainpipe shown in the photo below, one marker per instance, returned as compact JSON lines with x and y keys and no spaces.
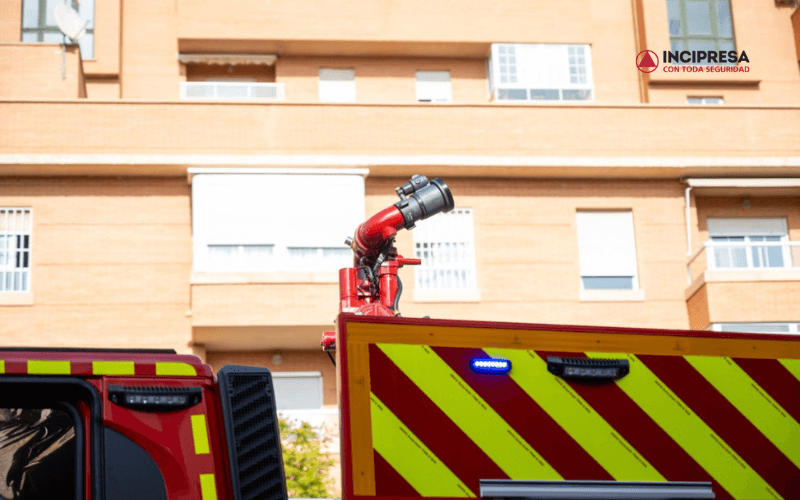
{"x":688,"y":233}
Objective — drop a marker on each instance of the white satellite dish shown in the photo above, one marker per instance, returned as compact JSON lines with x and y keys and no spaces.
{"x":70,"y":22}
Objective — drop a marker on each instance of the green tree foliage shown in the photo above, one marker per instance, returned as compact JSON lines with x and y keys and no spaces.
{"x":305,"y":465}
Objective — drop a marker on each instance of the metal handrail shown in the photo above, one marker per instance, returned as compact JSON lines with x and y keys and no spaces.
{"x":251,"y":87}
{"x":742,"y":244}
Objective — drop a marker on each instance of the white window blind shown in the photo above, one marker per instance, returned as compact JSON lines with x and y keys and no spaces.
{"x":607,"y":250}
{"x":274,"y":222}
{"x":337,"y":85}
{"x":541,"y":72}
{"x":298,"y":390}
{"x":446,"y":245}
{"x":434,"y":86}
{"x":15,"y":249}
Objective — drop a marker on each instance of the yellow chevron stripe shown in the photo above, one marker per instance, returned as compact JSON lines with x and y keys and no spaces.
{"x":689,"y":431}
{"x":200,"y":434}
{"x":752,"y":401}
{"x":208,"y":487}
{"x":577,"y":418}
{"x":410,"y":457}
{"x":470,"y":412}
{"x":2,"y":366}
{"x":42,"y":367}
{"x":793,"y":365}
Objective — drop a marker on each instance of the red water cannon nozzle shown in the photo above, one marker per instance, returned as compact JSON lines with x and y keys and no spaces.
{"x":372,"y":286}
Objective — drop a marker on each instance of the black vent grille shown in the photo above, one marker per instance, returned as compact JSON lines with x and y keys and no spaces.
{"x":251,"y":425}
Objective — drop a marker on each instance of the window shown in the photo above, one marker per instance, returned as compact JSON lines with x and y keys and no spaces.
{"x":705,"y":101}
{"x":337,"y":85}
{"x":541,"y":72}
{"x":748,"y":243}
{"x":232,"y":88}
{"x":446,"y":245}
{"x":297,"y":390}
{"x":274,"y":222}
{"x":434,"y":86}
{"x":38,"y":453}
{"x":700,"y":25}
{"x":607,"y":250}
{"x":39,"y":23}
{"x":756,"y":327}
{"x":15,"y":249}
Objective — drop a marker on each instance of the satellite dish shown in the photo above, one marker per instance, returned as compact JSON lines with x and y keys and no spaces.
{"x":70,"y":22}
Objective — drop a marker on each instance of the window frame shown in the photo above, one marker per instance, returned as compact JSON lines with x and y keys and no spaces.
{"x":681,"y":41}
{"x":635,"y":285}
{"x":15,"y":254}
{"x":327,"y":86}
{"x":312,"y":375}
{"x":421,"y":237}
{"x":747,"y":244}
{"x":421,"y":88}
{"x":499,"y":51}
{"x":705,"y":101}
{"x":66,"y":392}
{"x":42,"y":27}
{"x":212,"y":188}
{"x":793,"y":327}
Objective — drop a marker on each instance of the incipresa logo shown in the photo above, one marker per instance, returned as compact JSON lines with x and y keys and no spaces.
{"x":647,"y":61}
{"x":694,"y":61}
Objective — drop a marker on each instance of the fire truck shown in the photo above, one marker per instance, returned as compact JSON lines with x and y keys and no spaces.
{"x":434,"y":409}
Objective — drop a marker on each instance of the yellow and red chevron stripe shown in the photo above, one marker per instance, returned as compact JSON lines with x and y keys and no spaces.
{"x":437,"y":428}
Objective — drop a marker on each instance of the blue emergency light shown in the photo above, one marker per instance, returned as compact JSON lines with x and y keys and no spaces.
{"x":490,"y":366}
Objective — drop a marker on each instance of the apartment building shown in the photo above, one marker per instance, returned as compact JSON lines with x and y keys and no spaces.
{"x":185,"y":175}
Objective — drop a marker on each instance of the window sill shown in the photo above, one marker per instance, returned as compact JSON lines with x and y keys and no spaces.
{"x":447,"y":296}
{"x":235,"y":278}
{"x":611,"y":296}
{"x":16,"y":298}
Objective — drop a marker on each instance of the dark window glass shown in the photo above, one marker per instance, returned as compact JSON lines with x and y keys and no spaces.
{"x":512,"y":94}
{"x":607,"y":282}
{"x":700,"y":25}
{"x":37,"y":454}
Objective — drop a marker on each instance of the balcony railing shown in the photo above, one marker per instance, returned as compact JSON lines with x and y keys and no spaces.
{"x":744,"y":255}
{"x":233,"y":90}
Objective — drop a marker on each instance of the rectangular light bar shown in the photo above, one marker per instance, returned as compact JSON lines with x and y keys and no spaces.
{"x":490,"y":366}
{"x":588,"y":369}
{"x":155,"y":398}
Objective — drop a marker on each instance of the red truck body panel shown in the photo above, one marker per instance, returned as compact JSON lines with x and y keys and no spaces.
{"x":188,"y":445}
{"x":417,"y":421}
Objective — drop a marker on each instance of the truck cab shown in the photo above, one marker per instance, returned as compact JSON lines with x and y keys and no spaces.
{"x":134,"y":424}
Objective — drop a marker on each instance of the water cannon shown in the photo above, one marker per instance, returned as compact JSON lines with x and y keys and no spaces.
{"x":419,"y":200}
{"x":372,"y":286}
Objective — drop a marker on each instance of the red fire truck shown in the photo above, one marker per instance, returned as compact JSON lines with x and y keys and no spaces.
{"x":429,"y":408}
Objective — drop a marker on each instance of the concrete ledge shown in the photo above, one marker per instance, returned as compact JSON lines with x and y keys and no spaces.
{"x":16,"y":298}
{"x":611,"y":296}
{"x":447,"y":296}
{"x":260,"y":278}
{"x":743,"y":276}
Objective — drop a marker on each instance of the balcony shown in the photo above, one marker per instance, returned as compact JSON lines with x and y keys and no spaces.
{"x":41,"y":71}
{"x":744,"y":282}
{"x":163,"y":138}
{"x":766,"y":258}
{"x":233,"y":90}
